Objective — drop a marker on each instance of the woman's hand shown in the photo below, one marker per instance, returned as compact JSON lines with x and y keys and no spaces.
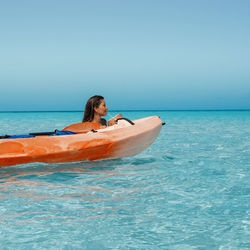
{"x":112,"y":122}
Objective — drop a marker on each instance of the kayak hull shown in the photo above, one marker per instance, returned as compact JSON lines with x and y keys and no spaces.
{"x":121,"y":140}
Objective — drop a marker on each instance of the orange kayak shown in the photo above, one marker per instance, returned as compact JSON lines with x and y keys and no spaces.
{"x":120,"y":140}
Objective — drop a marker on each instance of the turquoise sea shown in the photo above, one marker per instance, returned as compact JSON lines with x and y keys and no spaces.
{"x":189,"y":190}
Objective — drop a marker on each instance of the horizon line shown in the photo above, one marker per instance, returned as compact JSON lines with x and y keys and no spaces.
{"x":125,"y":110}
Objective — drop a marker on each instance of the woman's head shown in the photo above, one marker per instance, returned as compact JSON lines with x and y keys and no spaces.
{"x":95,"y":104}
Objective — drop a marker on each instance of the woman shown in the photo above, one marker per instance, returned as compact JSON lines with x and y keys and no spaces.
{"x":94,"y":110}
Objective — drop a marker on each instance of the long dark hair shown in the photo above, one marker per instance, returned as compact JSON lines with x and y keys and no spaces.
{"x":93,"y":102}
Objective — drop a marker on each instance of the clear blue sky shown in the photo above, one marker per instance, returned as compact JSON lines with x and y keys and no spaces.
{"x":138,"y":54}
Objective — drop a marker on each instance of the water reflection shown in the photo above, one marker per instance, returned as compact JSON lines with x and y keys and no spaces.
{"x":71,"y":170}
{"x":100,"y":181}
{"x":74,"y":167}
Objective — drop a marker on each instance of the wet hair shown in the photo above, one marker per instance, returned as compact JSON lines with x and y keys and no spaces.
{"x":93,"y":102}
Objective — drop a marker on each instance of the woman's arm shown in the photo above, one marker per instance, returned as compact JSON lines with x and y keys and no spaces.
{"x":112,"y":122}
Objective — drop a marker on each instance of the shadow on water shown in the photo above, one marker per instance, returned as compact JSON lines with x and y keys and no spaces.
{"x":143,"y":161}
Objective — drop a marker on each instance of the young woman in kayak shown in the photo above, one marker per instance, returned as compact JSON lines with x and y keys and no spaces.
{"x":95,"y":108}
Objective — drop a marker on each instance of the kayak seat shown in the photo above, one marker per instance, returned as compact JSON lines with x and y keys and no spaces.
{"x":82,"y":127}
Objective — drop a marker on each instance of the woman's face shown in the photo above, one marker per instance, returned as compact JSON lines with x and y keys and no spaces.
{"x":102,"y":109}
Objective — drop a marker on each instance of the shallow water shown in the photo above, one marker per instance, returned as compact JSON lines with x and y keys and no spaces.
{"x":189,"y":190}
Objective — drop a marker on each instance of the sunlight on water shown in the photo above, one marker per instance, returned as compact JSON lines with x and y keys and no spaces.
{"x":189,"y":190}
